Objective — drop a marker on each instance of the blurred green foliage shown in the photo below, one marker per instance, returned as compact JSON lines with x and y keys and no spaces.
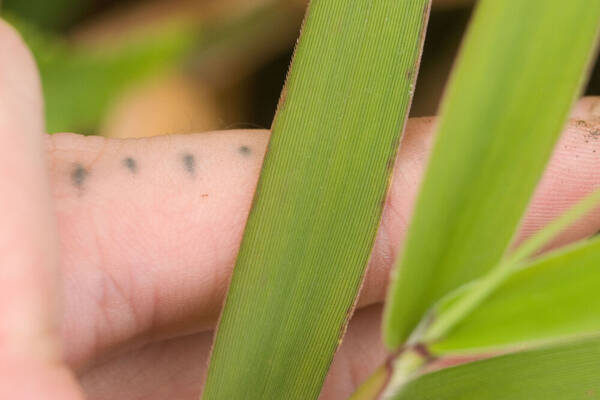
{"x":48,"y":14}
{"x":80,"y":82}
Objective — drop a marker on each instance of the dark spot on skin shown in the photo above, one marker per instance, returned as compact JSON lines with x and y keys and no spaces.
{"x":78,"y":175}
{"x":245,"y":150}
{"x":189,"y":162}
{"x":130,"y":164}
{"x":409,"y":75}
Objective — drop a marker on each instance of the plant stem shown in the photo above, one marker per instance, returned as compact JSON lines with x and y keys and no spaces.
{"x":387,"y":379}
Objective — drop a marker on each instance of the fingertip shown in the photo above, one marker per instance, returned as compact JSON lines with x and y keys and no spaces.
{"x":28,"y":298}
{"x":20,"y":87}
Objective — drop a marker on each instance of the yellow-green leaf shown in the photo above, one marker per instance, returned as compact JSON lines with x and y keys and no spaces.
{"x":520,"y":69}
{"x":555,"y":298}
{"x":319,"y":199}
{"x":564,"y":372}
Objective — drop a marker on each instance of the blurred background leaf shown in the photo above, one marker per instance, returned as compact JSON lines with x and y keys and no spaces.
{"x":84,"y":77}
{"x":80,"y":82}
{"x":191,"y":65}
{"x":192,"y":89}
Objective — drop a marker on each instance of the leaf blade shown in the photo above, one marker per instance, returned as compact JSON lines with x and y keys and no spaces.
{"x":319,"y":198}
{"x":458,"y":305}
{"x":564,"y":372}
{"x":516,"y":97}
{"x":555,"y":298}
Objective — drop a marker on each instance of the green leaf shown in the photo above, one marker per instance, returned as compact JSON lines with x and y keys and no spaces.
{"x":319,"y":199}
{"x":520,"y":69}
{"x":436,"y":336}
{"x":565,"y":372}
{"x":457,"y":305}
{"x":555,"y":298}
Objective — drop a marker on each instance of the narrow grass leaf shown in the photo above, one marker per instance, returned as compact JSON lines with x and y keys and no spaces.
{"x":319,"y":198}
{"x":457,"y":305}
{"x":555,"y":298}
{"x":563,"y":372}
{"x":520,"y":69}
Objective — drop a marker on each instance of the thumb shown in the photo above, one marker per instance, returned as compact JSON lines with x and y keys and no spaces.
{"x":29,"y":354}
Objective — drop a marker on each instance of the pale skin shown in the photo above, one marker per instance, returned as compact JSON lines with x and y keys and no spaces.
{"x":115,"y":254}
